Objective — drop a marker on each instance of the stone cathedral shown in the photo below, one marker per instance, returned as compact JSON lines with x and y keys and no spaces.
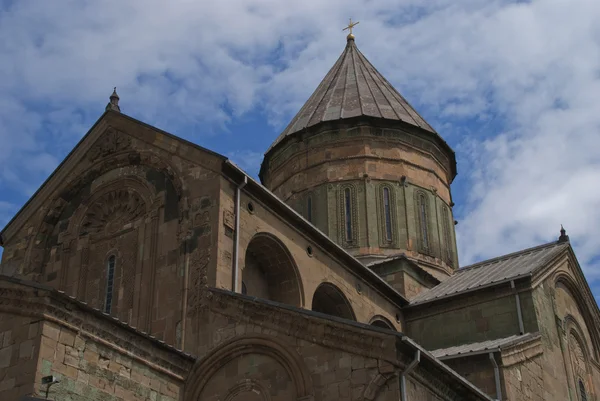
{"x":148,"y":268}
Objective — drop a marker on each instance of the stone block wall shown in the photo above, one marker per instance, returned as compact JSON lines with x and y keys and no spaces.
{"x":92,"y":370}
{"x":19,"y":349}
{"x":95,"y":357}
{"x":477,"y":369}
{"x":249,"y":348}
{"x":525,"y":381}
{"x":471,"y":318}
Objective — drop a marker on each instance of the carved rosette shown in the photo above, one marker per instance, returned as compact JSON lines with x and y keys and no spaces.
{"x":112,"y":211}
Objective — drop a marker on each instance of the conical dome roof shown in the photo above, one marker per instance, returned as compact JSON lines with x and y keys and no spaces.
{"x":352,"y":88}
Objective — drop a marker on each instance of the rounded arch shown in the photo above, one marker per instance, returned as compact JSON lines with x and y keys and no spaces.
{"x":130,"y":186}
{"x":382,"y":322}
{"x":330,"y":300}
{"x":561,"y":279}
{"x":206,"y":368}
{"x":248,"y":385}
{"x":35,"y":255}
{"x":270,"y":271}
{"x":375,"y":385}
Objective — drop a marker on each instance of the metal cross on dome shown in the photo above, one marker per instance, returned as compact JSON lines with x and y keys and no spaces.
{"x":350,"y":26}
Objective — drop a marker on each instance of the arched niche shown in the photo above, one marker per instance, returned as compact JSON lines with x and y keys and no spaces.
{"x":330,"y":300}
{"x":381,"y":322}
{"x":270,"y":271}
{"x":580,"y":315}
{"x":67,"y":199}
{"x":207,"y":369}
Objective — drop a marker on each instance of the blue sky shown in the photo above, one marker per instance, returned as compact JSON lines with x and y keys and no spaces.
{"x":512,"y":86}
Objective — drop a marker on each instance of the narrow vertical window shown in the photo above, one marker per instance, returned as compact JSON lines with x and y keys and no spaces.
{"x":110,"y":279}
{"x":582,"y":390}
{"x":244,"y":289}
{"x":348,"y":213}
{"x":423,"y":221}
{"x":309,"y":209}
{"x":387,"y":212}
{"x":447,"y":236}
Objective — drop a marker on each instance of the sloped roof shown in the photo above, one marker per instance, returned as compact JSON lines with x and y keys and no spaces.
{"x":492,"y":271}
{"x":352,"y":88}
{"x":484,"y":346}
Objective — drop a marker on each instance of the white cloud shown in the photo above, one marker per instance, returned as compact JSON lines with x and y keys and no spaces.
{"x":524,"y":75}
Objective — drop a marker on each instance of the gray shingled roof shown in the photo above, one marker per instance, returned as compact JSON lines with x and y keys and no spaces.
{"x":352,"y":88}
{"x":484,"y":346}
{"x":492,"y":271}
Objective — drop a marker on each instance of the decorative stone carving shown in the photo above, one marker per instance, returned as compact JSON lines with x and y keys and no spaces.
{"x":112,"y":211}
{"x":228,"y":219}
{"x":577,"y":356}
{"x":199,"y":260}
{"x":111,"y":142}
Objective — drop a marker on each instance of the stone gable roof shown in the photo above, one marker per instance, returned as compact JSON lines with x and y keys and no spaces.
{"x":353,"y":88}
{"x":493,"y":271}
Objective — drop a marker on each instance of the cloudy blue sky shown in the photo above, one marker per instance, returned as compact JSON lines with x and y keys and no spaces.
{"x":513,"y":86}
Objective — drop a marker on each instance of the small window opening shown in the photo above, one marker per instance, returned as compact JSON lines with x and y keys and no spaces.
{"x":582,"y":390}
{"x":110,"y":279}
{"x":348,"y":213}
{"x":423,"y":217}
{"x":387,"y":214}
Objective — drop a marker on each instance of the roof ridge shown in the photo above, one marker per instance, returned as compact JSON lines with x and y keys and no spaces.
{"x":378,"y":88}
{"x":352,"y":54}
{"x":508,"y":256}
{"x":410,"y":110}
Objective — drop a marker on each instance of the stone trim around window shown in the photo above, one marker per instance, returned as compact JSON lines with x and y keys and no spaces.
{"x":448,"y":244}
{"x":348,"y":233}
{"x":387,"y":237}
{"x":423,"y":222}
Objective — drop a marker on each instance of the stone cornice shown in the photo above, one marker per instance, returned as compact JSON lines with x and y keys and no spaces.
{"x":31,"y":299}
{"x":521,"y":352}
{"x":398,"y":128}
{"x":363,"y":158}
{"x":310,"y":326}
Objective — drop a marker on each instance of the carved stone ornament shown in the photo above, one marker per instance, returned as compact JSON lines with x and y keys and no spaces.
{"x":110,"y":142}
{"x":228,"y":219}
{"x":577,"y":356}
{"x":112,"y":211}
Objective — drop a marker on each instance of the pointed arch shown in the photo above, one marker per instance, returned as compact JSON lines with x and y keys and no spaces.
{"x":204,"y":370}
